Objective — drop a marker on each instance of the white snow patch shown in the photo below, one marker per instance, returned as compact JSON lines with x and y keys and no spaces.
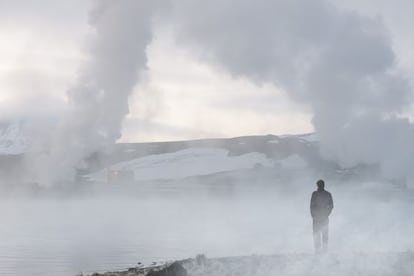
{"x":273,"y":142}
{"x":186,"y":163}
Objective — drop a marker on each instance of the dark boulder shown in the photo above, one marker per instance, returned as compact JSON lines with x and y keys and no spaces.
{"x":175,"y":269}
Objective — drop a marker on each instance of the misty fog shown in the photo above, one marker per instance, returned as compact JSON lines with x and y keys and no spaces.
{"x":117,"y":226}
{"x":76,"y":197}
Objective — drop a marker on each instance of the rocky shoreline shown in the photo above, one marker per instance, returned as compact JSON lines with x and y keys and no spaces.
{"x":170,"y":269}
{"x":378,"y":264}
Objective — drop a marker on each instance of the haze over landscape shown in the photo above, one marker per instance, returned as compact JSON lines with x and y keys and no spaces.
{"x":152,"y":131}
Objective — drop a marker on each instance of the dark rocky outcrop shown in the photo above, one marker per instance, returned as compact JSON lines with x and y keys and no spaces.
{"x":175,"y":269}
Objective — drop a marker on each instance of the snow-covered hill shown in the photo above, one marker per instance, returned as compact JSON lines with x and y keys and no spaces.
{"x":186,"y":163}
{"x":180,"y":159}
{"x":168,"y":160}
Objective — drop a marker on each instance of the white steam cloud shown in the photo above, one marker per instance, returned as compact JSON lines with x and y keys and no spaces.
{"x":99,"y":100}
{"x":339,"y":62}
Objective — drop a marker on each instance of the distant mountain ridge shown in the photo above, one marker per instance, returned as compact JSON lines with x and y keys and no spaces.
{"x":16,"y":139}
{"x":204,"y":156}
{"x":290,"y":154}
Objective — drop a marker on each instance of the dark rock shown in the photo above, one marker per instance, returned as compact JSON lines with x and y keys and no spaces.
{"x":175,"y":269}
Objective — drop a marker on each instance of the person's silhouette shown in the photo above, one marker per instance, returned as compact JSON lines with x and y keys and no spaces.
{"x":321,"y":206}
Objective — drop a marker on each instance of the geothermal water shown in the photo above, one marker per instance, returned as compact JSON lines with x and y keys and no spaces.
{"x":115,"y":227}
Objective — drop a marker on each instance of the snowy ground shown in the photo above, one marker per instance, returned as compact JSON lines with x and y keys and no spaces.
{"x":196,"y":162}
{"x":186,"y":163}
{"x":396,"y":264}
{"x":375,"y":264}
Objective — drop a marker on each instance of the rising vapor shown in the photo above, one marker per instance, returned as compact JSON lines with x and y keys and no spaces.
{"x":99,"y":99}
{"x":340,"y":63}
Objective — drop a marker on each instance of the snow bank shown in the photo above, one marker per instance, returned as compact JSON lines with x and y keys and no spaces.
{"x":186,"y":163}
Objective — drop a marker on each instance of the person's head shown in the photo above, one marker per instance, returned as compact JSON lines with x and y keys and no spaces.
{"x":320,"y":184}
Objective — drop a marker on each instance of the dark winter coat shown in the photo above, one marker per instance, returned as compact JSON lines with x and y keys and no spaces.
{"x":321,"y":204}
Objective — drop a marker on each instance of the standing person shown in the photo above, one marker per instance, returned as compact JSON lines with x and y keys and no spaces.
{"x":321,"y":206}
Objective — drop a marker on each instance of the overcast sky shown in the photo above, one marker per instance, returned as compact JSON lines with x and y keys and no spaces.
{"x":43,"y":42}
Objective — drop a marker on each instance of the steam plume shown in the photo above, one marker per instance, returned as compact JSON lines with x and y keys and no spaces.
{"x":99,"y":100}
{"x":339,"y":62}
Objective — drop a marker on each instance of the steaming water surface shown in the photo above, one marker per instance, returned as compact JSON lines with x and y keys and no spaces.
{"x":110,"y":232}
